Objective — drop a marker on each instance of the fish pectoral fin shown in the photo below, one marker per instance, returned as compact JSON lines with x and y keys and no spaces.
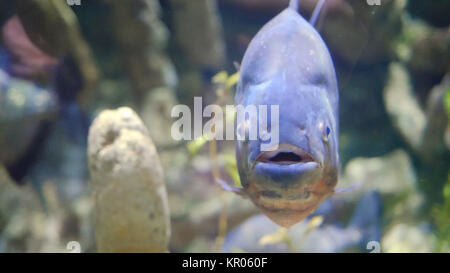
{"x":347,"y":189}
{"x":227,"y":187}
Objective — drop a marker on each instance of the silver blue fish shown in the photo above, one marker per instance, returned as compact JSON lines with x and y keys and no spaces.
{"x":288,"y":64}
{"x":28,"y":112}
{"x":330,"y":236}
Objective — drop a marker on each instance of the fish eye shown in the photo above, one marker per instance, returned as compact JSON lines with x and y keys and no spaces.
{"x":326,"y":134}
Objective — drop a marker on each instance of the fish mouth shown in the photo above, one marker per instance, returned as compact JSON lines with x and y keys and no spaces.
{"x":286,"y":154}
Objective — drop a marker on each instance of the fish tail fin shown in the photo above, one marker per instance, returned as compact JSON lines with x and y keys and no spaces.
{"x":19,"y":170}
{"x":75,"y":122}
{"x":68,"y":83}
{"x":316,"y":12}
{"x":367,"y":218}
{"x":294,"y":4}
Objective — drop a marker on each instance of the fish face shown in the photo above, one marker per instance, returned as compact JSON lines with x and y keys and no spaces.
{"x":291,"y":180}
{"x":288,"y":66}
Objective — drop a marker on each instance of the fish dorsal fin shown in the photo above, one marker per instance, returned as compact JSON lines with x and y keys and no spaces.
{"x":293,"y":4}
{"x":316,"y":12}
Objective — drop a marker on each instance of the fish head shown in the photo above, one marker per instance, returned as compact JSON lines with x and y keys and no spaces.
{"x":288,"y":68}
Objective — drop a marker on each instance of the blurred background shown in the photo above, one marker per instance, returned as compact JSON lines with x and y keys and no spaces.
{"x":63,"y":62}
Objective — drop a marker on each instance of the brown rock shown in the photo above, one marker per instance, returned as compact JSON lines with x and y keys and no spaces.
{"x":131,"y":208}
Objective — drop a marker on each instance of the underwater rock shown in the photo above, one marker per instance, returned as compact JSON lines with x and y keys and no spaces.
{"x":195,"y":215}
{"x":142,"y":39}
{"x":392,"y":175}
{"x":156,"y":115}
{"x":423,"y":48}
{"x":433,"y":142}
{"x":259,"y":4}
{"x":363,"y":33}
{"x":246,"y":236}
{"x":276,"y":6}
{"x":191,"y":84}
{"x":24,"y":224}
{"x":199,"y":222}
{"x":200,"y":45}
{"x":430,"y":52}
{"x":130,"y":200}
{"x":447,"y":137}
{"x":353,"y":30}
{"x":53,"y":27}
{"x":407,"y":238}
{"x":423,"y":130}
{"x":402,"y":106}
{"x":434,"y":12}
{"x":369,"y":133}
{"x":425,"y":52}
{"x":41,"y":223}
{"x":66,"y":165}
{"x":198,"y":31}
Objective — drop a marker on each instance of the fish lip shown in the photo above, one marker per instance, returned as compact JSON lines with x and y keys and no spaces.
{"x":289,"y":170}
{"x":297,"y":156}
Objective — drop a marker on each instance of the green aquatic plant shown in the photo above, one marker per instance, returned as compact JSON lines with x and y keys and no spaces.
{"x":224,"y":85}
{"x":447,"y":102}
{"x":195,"y":145}
{"x":441,"y":215}
{"x":227,"y":81}
{"x":231,"y":168}
{"x":282,"y":235}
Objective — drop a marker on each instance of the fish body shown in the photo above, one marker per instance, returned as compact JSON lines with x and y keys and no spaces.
{"x":26,"y":111}
{"x":288,"y":65}
{"x":330,"y":236}
{"x":28,"y":107}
